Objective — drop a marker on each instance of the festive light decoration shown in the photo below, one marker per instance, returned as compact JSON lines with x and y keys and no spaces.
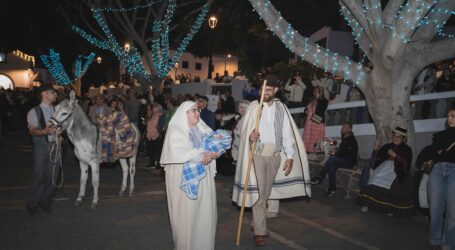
{"x":131,"y":59}
{"x":407,"y":19}
{"x":315,"y":54}
{"x":24,"y":56}
{"x":53,"y":64}
{"x":144,"y":6}
{"x":160,"y":46}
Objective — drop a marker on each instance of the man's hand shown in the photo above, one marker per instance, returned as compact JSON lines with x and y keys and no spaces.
{"x":49,"y":130}
{"x":254,"y":137}
{"x":288,"y":166}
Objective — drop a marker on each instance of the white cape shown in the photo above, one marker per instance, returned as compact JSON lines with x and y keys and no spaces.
{"x":297,"y":183}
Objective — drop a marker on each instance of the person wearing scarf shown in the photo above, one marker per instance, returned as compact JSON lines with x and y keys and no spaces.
{"x":391,"y":189}
{"x":280,"y":165}
{"x":193,"y":214}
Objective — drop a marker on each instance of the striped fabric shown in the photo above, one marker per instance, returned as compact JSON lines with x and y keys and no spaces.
{"x":117,"y":137}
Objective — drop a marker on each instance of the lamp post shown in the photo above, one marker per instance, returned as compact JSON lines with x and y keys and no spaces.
{"x":212,"y":24}
{"x":127,"y":78}
{"x":225,"y":60}
{"x":176,"y":65}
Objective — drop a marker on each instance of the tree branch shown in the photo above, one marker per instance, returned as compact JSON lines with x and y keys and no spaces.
{"x":429,"y":28}
{"x":433,"y":52}
{"x":356,"y":9}
{"x":307,"y":50}
{"x":390,"y":11}
{"x":374,"y":16}
{"x":358,"y":33}
{"x":403,"y":29}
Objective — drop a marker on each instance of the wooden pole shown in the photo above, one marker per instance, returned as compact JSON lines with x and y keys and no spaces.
{"x":250,"y":163}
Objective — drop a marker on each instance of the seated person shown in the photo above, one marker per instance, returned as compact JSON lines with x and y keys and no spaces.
{"x":391,"y":189}
{"x":345,"y":157}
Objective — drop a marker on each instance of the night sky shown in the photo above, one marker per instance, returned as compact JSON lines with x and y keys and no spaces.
{"x":35,"y":26}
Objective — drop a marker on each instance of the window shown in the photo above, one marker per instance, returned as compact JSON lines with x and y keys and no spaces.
{"x":198,"y":66}
{"x":185,"y":64}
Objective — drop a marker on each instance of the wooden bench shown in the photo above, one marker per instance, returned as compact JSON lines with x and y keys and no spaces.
{"x":352,"y":175}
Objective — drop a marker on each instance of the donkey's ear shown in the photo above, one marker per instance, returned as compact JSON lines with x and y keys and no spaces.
{"x":72,"y":97}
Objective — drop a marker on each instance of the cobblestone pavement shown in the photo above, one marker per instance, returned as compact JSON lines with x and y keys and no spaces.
{"x":141,"y":221}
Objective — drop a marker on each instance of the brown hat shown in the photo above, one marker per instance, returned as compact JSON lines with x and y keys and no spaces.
{"x":272,"y":80}
{"x":401,"y":131}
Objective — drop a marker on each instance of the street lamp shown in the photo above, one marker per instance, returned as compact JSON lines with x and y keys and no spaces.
{"x":176,"y":65}
{"x":127,"y":47}
{"x":99,"y":59}
{"x":212,"y":24}
{"x":225,"y":60}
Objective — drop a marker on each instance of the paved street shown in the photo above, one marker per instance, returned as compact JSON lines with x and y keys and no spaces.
{"x":141,"y":221}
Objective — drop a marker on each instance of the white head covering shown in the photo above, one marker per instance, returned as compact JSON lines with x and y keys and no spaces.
{"x":177,"y":147}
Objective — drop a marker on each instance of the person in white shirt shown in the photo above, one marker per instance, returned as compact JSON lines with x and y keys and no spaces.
{"x":280,"y":166}
{"x":296,"y":87}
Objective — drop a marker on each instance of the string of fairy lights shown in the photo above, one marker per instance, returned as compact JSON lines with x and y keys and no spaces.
{"x":131,"y":59}
{"x":408,"y":16}
{"x":54,"y":65}
{"x":137,"y":7}
{"x":160,"y":46}
{"x":317,"y":55}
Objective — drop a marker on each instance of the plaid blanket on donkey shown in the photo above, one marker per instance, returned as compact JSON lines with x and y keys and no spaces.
{"x":117,"y":137}
{"x":216,"y":141}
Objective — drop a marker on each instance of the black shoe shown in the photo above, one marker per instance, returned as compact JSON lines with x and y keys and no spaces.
{"x":316,"y":180}
{"x":33,"y":211}
{"x":150,"y":166}
{"x":331,"y":193}
{"x":47,"y":209}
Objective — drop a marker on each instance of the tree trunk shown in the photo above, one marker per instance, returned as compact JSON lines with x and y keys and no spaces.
{"x":388,"y":100}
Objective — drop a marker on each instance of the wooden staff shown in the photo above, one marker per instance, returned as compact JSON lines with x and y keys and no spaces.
{"x":250,"y":161}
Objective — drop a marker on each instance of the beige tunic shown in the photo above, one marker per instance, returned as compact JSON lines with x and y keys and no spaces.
{"x":193,"y":222}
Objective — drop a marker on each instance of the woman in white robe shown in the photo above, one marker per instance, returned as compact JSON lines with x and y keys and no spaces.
{"x":193,"y":221}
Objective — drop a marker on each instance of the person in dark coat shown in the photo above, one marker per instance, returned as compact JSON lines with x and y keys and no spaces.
{"x":391,"y":187}
{"x":441,"y":186}
{"x":206,"y":115}
{"x":345,"y":157}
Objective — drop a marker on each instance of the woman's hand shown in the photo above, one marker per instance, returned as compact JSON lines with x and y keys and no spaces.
{"x":392,"y":153}
{"x":207,"y":157}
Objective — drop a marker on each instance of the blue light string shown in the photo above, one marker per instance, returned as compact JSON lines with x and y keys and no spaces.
{"x":143,"y":6}
{"x":53,"y":63}
{"x":132,"y":60}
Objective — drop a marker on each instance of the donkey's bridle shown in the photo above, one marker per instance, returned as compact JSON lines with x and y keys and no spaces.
{"x":59,"y":124}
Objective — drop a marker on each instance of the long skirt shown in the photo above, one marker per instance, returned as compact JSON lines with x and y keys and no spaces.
{"x":313,"y":132}
{"x":399,"y":200}
{"x":193,"y":222}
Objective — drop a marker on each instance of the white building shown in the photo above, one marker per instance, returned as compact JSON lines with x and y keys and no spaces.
{"x":15,"y":70}
{"x":188,"y":63}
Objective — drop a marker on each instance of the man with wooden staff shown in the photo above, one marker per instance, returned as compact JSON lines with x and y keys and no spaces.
{"x":280,"y":165}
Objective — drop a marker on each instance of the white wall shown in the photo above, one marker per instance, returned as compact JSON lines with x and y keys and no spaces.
{"x":218,"y":62}
{"x":17,"y":69}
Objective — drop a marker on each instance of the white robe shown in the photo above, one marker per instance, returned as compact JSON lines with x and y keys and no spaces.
{"x":193,"y":222}
{"x":297,"y":183}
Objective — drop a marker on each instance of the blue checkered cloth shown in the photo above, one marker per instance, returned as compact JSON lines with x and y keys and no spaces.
{"x":216,"y":141}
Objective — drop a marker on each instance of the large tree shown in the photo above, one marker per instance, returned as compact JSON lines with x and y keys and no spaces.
{"x":146,"y":26}
{"x":399,"y":41}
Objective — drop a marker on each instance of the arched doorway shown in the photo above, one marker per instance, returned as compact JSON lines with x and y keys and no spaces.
{"x":6,"y":82}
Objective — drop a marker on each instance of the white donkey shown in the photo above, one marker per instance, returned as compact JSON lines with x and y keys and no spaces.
{"x":87,"y":146}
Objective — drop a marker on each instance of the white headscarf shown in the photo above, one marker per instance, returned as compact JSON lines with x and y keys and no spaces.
{"x":177,"y":147}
